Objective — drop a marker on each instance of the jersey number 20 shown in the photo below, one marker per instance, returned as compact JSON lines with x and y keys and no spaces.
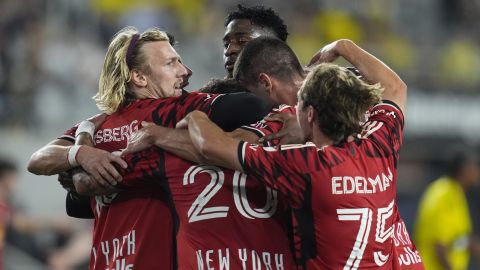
{"x":198,"y":211}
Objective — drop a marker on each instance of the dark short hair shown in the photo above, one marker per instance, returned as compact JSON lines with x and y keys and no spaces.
{"x":225,"y":86}
{"x":261,"y":16}
{"x":458,"y":158}
{"x":266,"y":55}
{"x":6,"y":166}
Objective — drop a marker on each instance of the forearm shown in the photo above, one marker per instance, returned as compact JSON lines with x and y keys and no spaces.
{"x":374,"y":71}
{"x":50,"y":159}
{"x":177,"y":142}
{"x":244,"y":135}
{"x":212,"y":142}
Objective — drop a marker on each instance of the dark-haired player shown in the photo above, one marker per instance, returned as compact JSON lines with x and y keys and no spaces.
{"x":245,"y":24}
{"x":345,"y":179}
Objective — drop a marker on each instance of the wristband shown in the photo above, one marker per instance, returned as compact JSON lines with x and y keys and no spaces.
{"x":72,"y":155}
{"x":85,"y":126}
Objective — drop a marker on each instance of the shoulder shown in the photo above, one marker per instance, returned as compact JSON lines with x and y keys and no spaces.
{"x":387,"y":108}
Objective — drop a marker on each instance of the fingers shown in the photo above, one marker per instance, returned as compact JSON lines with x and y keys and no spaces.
{"x":107,"y":177}
{"x":113,"y":172}
{"x":272,"y":136}
{"x":119,"y":161}
{"x":277,"y":117}
{"x":100,"y":179}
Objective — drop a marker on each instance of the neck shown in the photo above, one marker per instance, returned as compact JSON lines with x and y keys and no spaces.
{"x":143,"y":92}
{"x":320,"y":139}
{"x":289,"y":98}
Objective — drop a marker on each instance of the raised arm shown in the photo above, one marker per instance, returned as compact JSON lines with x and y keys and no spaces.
{"x":371,"y":68}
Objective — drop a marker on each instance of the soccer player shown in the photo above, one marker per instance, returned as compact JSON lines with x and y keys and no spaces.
{"x":224,"y":219}
{"x":134,"y":228}
{"x":344,"y":179}
{"x":443,"y":230}
{"x":246,"y":24}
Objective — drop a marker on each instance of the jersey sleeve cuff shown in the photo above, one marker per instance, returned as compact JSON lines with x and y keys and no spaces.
{"x":253,"y":130}
{"x":389,"y":102}
{"x":241,"y":154}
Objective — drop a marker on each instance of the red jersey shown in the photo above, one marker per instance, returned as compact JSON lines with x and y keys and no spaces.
{"x":346,"y":193}
{"x":134,"y":229}
{"x":225,"y":219}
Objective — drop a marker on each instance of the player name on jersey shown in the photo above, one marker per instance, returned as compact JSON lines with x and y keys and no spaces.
{"x":360,"y":184}
{"x":116,"y":134}
{"x":250,"y":259}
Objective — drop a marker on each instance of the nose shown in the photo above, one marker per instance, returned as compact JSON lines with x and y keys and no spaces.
{"x":233,"y":48}
{"x":184,"y":71}
{"x":189,"y":71}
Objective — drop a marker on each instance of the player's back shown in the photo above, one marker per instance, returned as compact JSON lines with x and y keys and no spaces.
{"x":354,"y":203}
{"x":343,"y":195}
{"x":224,"y":219}
{"x":134,"y":228}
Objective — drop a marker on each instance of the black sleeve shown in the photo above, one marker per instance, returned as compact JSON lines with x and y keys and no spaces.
{"x":78,"y":206}
{"x":232,"y":111}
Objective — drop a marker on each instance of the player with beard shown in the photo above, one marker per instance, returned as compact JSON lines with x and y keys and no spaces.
{"x":134,"y":228}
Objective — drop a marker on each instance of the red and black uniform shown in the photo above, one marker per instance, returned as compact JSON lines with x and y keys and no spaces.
{"x":344,"y":195}
{"x":135,"y":228}
{"x":226,"y":220}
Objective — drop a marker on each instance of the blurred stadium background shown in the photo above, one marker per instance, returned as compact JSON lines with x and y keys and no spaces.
{"x":51,"y":53}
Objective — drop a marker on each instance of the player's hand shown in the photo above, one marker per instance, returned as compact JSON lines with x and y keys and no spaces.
{"x":98,"y":163}
{"x":290,"y":132}
{"x":86,"y":185}
{"x":98,"y":119}
{"x":327,"y":54}
{"x":143,"y":139}
{"x":184,"y":122}
{"x":65,"y":180}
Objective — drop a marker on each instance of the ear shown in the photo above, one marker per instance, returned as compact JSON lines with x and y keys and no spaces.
{"x":265,"y":82}
{"x":138,"y":78}
{"x":311,"y":115}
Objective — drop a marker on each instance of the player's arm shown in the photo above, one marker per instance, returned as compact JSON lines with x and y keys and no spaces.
{"x":371,"y":68}
{"x":222,"y":150}
{"x":228,"y":112}
{"x":60,"y":155}
{"x":211,"y":141}
{"x":50,"y":159}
